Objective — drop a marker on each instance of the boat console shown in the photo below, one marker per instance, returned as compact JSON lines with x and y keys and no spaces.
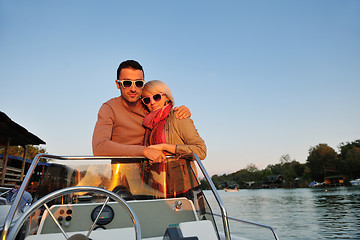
{"x":155,"y":216}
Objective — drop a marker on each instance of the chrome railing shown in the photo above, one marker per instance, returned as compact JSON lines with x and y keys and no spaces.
{"x":248,"y":222}
{"x":217,"y":197}
{"x":223,"y":215}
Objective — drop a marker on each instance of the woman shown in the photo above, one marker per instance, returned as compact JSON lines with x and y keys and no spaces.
{"x":166,"y":133}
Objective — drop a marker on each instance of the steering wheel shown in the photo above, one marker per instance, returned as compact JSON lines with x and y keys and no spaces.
{"x":62,"y":192}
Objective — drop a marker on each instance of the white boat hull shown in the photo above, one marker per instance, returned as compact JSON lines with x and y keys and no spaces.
{"x":355,"y":182}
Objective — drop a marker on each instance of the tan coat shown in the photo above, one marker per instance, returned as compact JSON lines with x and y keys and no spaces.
{"x":184,"y":135}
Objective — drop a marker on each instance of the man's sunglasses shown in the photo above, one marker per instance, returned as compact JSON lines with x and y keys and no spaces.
{"x":129,"y":83}
{"x":156,"y":98}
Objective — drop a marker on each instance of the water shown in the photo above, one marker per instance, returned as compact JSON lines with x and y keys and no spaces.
{"x":306,"y":213}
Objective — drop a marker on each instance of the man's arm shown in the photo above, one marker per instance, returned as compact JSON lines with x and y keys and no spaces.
{"x":104,"y":146}
{"x":102,"y":143}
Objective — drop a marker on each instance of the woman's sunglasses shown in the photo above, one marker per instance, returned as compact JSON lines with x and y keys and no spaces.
{"x":129,"y":83}
{"x":156,"y":98}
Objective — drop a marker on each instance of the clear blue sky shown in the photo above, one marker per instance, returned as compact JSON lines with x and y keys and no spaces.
{"x":262,"y":78}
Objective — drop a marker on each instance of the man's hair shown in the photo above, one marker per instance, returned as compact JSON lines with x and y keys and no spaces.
{"x":129,"y":64}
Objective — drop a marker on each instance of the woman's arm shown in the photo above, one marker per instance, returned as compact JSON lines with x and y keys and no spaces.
{"x":182,"y":138}
{"x":192,"y":142}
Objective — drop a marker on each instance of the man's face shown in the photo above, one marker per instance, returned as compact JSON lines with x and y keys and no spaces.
{"x":133,"y":93}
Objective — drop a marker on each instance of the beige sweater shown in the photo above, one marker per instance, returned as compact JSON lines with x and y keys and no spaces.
{"x":118,"y":130}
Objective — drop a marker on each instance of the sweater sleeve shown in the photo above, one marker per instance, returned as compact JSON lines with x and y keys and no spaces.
{"x":102,"y":143}
{"x":193,"y":143}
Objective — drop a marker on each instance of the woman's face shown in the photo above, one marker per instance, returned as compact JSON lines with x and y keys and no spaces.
{"x":155,"y":105}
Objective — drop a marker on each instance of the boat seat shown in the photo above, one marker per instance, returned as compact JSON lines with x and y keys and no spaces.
{"x":204,"y":230}
{"x":174,"y":233}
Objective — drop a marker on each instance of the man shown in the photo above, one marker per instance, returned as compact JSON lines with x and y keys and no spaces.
{"x":118,"y":130}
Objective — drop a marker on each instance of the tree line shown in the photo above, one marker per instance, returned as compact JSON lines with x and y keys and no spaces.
{"x":322,"y":161}
{"x":31,"y":151}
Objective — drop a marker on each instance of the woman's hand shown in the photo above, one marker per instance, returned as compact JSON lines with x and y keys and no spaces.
{"x":164,"y":147}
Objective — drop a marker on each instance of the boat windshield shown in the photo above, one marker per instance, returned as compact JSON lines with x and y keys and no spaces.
{"x":132,"y":178}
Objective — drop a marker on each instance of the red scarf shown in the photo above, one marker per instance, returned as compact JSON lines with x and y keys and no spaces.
{"x":154,"y":124}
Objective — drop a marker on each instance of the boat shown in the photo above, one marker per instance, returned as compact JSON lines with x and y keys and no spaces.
{"x":231,"y":189}
{"x":88,"y":197}
{"x":316,"y":184}
{"x":355,"y":182}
